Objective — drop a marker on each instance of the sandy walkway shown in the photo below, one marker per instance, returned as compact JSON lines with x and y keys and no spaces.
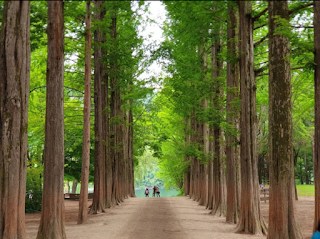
{"x":141,"y":218}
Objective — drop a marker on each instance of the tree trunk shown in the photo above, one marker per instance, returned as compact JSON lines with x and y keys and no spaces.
{"x":210,"y":168}
{"x":282,"y":223}
{"x":99,"y":156}
{"x":186,"y":158}
{"x":68,"y":186}
{"x":74,"y":186}
{"x":306,"y":168}
{"x":14,"y":101}
{"x":316,"y":147}
{"x":116,"y":119}
{"x":83,"y":201}
{"x":106,"y":111}
{"x":131,"y":165}
{"x":52,"y":213}
{"x":193,"y":170}
{"x":250,"y":218}
{"x":232,"y":211}
{"x":204,"y":139}
{"x":219,"y":200}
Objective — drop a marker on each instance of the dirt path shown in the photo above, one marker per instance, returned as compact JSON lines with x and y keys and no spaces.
{"x":141,"y":218}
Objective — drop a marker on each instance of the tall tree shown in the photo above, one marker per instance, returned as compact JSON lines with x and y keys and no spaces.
{"x":52,"y":214}
{"x":316,"y":161}
{"x":250,"y":218}
{"x":232,"y":211}
{"x":14,"y":101}
{"x":219,"y":197}
{"x":282,"y":223}
{"x":99,"y":153}
{"x":83,"y":209}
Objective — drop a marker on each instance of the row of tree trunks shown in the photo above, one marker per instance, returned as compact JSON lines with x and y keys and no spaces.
{"x":243,"y":200}
{"x":14,"y":98}
{"x":114,"y":178}
{"x":14,"y":101}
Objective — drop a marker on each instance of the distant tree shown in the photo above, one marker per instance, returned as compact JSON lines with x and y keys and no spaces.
{"x":14,"y":101}
{"x":52,"y":213}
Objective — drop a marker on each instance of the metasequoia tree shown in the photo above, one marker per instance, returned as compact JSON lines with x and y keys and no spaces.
{"x":186,"y":183}
{"x":99,"y":153}
{"x":203,"y":136}
{"x":250,"y":218}
{"x":14,"y":100}
{"x":211,"y":134}
{"x":219,"y":199}
{"x":52,"y":213}
{"x":130,"y":153}
{"x":116,"y":115}
{"x":316,"y":166}
{"x":233,"y":114}
{"x":282,"y":223}
{"x":83,"y":201}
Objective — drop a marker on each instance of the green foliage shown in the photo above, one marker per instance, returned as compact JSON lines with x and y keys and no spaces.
{"x":34,"y":189}
{"x":145,"y":171}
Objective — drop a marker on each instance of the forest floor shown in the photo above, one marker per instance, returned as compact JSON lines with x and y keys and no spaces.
{"x":157,"y":218}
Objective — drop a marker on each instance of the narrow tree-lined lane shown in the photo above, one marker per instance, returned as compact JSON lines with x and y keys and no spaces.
{"x":141,"y":218}
{"x":154,"y":218}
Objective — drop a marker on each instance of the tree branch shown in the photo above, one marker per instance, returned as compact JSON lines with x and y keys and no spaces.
{"x":70,"y":88}
{"x":260,"y":53}
{"x":265,"y":24}
{"x":260,"y":41}
{"x":260,"y":14}
{"x":299,"y":8}
{"x":43,"y":86}
{"x":265,"y":74}
{"x":302,"y":27}
{"x":39,"y":87}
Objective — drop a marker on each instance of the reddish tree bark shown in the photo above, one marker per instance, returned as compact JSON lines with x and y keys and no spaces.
{"x":219,"y":197}
{"x":130,"y":148}
{"x":316,"y":148}
{"x":99,"y":156}
{"x":233,"y":114}
{"x":116,"y":118}
{"x":250,"y":218}
{"x":186,"y":183}
{"x":282,"y":223}
{"x":83,"y":201}
{"x":52,"y":214}
{"x":14,"y":101}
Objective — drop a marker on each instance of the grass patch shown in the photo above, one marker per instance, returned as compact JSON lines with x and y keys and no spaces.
{"x":305,"y":190}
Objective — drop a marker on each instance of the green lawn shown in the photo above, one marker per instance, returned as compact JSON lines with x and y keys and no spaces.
{"x":305,"y":190}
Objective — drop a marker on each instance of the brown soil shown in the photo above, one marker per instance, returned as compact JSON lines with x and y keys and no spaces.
{"x":168,"y":218}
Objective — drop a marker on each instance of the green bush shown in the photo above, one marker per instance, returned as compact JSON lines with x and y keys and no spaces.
{"x":34,"y":190}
